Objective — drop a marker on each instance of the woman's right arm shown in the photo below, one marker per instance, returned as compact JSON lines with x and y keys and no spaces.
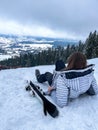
{"x":95,"y":86}
{"x":62,"y":92}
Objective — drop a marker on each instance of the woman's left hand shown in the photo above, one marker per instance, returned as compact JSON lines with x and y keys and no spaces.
{"x":50,"y":88}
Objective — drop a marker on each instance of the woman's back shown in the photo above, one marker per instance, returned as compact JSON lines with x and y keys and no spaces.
{"x":72,"y":83}
{"x":78,"y":78}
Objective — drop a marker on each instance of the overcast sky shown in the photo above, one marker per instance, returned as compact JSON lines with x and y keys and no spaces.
{"x":53,"y":18}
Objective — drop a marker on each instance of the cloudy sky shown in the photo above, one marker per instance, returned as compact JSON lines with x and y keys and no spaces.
{"x":53,"y":18}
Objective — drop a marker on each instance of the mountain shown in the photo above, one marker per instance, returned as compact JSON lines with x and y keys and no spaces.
{"x":14,"y":44}
{"x":20,"y":111}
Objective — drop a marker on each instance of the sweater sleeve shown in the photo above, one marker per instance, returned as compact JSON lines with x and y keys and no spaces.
{"x":95,"y":86}
{"x":61,"y":92}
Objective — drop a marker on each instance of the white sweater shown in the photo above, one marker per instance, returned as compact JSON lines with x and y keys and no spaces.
{"x":72,"y":83}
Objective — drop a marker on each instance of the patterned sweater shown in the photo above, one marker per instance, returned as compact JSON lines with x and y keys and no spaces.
{"x":72,"y":83}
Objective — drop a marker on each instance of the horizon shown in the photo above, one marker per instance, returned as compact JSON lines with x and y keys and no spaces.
{"x":32,"y":36}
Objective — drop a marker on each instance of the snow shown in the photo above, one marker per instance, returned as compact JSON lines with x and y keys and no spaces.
{"x":5,"y":40}
{"x":21,"y":111}
{"x":36,"y":46}
{"x":4,"y":57}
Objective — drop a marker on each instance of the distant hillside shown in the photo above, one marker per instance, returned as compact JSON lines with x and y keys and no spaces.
{"x":14,"y":44}
{"x":38,"y":40}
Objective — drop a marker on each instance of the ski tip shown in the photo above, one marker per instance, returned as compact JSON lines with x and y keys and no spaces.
{"x":44,"y":109}
{"x":55,"y":113}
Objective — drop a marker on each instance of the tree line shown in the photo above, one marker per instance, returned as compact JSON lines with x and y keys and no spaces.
{"x":49,"y":57}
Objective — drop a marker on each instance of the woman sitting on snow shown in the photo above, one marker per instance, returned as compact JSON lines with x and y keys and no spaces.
{"x":71,"y":81}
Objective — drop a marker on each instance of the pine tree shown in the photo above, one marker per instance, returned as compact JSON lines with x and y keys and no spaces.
{"x":90,"y":43}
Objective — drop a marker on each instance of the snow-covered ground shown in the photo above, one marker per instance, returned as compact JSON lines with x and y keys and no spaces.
{"x":3,"y":57}
{"x":20,"y":111}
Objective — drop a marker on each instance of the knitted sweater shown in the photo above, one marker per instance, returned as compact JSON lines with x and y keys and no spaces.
{"x":72,"y":83}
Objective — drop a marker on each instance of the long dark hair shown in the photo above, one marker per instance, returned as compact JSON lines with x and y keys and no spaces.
{"x":77,"y":61}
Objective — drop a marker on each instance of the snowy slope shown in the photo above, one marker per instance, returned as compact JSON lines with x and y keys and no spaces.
{"x":20,"y":111}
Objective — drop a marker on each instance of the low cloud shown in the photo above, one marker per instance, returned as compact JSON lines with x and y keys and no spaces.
{"x":75,"y":18}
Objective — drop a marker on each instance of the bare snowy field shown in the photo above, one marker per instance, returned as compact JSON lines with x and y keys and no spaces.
{"x":20,"y":111}
{"x":3,"y":57}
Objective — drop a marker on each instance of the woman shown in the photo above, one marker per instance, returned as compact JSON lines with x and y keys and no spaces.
{"x":77,"y":79}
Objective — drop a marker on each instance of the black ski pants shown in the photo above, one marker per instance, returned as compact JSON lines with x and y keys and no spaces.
{"x":45,"y":77}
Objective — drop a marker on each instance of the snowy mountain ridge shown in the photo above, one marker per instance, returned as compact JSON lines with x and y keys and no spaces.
{"x":14,"y":44}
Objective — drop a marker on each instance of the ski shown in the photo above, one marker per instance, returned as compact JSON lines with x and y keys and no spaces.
{"x":48,"y":107}
{"x":28,"y":88}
